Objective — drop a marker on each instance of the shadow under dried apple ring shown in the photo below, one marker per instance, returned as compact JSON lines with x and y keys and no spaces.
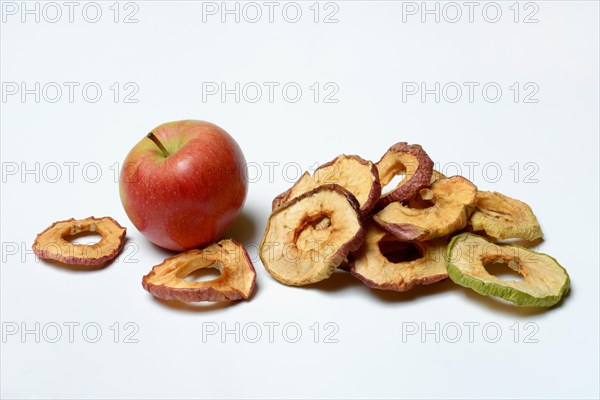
{"x":52,"y":245}
{"x":411,"y":160}
{"x":236,"y":282}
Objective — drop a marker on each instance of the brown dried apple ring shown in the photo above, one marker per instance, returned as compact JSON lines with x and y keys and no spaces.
{"x":307,"y":238}
{"x":385,"y":262}
{"x":453,"y":199}
{"x":358,"y":176}
{"x":52,"y":245}
{"x":503,"y":217}
{"x":411,"y":160}
{"x":238,"y":277}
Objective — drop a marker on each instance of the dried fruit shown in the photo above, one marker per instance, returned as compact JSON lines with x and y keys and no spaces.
{"x":166,"y":280}
{"x":423,"y":198}
{"x":452,"y":201}
{"x":52,"y":245}
{"x":385,"y":262}
{"x":436,"y":176}
{"x":354,"y":174}
{"x":315,"y":228}
{"x":307,"y":238}
{"x":544,"y":283}
{"x":410,"y":160}
{"x":503,"y":217}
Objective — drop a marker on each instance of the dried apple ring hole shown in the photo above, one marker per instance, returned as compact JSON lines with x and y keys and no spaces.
{"x":200,"y":268}
{"x":203,"y":275}
{"x":410,"y":161}
{"x":87,"y":237}
{"x":505,"y":268}
{"x":395,"y":251}
{"x":314,"y":229}
{"x":55,"y":243}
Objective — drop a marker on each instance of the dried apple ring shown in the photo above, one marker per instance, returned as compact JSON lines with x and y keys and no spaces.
{"x":385,"y":262}
{"x":503,"y":217}
{"x":354,"y":174}
{"x":452,"y":200}
{"x":411,"y":160}
{"x":436,"y":176}
{"x":307,"y":238}
{"x":236,"y":282}
{"x":52,"y":245}
{"x":544,"y":282}
{"x":422,"y":199}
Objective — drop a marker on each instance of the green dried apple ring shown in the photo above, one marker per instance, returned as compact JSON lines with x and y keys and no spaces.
{"x":503,"y":217}
{"x":354,"y":174}
{"x":52,"y":245}
{"x":452,"y":202}
{"x":307,"y":238}
{"x":384,"y":262}
{"x":236,"y":282}
{"x":545,"y":280}
{"x":411,"y":160}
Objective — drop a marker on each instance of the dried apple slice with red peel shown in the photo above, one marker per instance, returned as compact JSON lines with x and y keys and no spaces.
{"x":52,"y":245}
{"x":452,"y":198}
{"x":307,"y":238}
{"x":358,"y":176}
{"x":503,"y":217}
{"x":282,"y":198}
{"x":236,"y":282}
{"x":375,"y":266}
{"x":411,"y":160}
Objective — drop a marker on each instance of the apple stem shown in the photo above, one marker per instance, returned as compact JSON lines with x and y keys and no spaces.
{"x":158,"y":143}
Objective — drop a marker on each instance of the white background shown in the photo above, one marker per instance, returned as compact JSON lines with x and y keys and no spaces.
{"x":167,"y":55}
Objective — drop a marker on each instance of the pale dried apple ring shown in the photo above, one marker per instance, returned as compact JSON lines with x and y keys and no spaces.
{"x":358,"y":176}
{"x":452,"y":199}
{"x":411,"y":160}
{"x":544,"y":282}
{"x":236,"y":282}
{"x":503,"y":217}
{"x":307,"y":238}
{"x":52,"y":245}
{"x":375,"y":269}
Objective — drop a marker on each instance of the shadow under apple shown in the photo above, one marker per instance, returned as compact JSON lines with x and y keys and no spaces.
{"x":243,"y":229}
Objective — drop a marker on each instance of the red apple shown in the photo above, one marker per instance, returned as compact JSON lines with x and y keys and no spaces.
{"x":184,"y":184}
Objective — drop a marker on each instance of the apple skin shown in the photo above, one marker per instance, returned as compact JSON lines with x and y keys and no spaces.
{"x":190,"y":198}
